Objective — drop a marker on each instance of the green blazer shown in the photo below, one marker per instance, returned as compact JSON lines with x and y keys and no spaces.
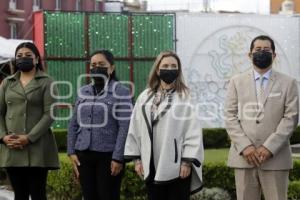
{"x":28,"y":110}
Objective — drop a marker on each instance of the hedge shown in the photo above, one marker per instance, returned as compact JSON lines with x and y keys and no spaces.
{"x":213,"y":138}
{"x":62,"y":185}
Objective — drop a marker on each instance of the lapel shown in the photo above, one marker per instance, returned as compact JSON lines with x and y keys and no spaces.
{"x":252,"y":86}
{"x":268,"y":90}
{"x":16,"y":85}
{"x":146,"y":110}
{"x":32,"y":85}
{"x":35,"y":84}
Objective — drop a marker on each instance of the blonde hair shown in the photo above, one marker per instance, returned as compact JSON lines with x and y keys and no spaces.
{"x":154,"y":80}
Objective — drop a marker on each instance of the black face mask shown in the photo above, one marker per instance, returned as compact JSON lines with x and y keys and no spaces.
{"x":168,"y":75}
{"x":100,"y":75}
{"x":262,"y":59}
{"x":24,"y":64}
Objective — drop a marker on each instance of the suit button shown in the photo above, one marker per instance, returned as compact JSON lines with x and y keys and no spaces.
{"x":89,"y":129}
{"x":257,"y":122}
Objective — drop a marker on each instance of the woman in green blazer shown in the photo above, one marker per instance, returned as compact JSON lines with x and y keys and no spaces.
{"x":27,"y":149}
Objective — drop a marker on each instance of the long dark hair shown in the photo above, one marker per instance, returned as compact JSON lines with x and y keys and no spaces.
{"x":109,"y":57}
{"x":34,"y":49}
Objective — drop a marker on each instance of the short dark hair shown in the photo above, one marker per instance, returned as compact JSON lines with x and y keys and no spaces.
{"x":263,"y":37}
{"x":34,"y":50}
{"x":109,"y":57}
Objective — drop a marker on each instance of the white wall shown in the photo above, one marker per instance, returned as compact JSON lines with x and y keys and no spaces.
{"x":214,"y":47}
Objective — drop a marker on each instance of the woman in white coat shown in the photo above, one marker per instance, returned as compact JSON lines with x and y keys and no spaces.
{"x":164,"y":137}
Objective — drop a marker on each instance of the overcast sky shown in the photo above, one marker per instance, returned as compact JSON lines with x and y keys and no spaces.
{"x":254,"y":6}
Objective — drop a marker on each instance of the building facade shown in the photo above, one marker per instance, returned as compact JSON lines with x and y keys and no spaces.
{"x":16,"y":15}
{"x":276,"y":6}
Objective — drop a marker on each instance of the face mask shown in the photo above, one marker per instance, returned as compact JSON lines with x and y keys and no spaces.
{"x":100,"y":75}
{"x":262,"y":59}
{"x":24,"y":64}
{"x":168,"y":76}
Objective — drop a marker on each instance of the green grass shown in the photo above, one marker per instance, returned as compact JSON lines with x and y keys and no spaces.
{"x":215,"y":155}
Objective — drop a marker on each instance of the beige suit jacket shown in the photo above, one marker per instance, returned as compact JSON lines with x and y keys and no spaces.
{"x":270,"y":123}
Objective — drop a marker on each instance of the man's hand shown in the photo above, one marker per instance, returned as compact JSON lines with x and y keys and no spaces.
{"x":251,"y":155}
{"x":263,"y":153}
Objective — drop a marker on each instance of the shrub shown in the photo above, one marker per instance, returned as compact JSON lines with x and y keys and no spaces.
{"x":294,"y":190}
{"x":133,"y":187}
{"x":62,"y":185}
{"x":219,"y":175}
{"x":61,"y":139}
{"x":295,"y":139}
{"x":295,"y":172}
{"x":215,"y":138}
{"x":211,"y":194}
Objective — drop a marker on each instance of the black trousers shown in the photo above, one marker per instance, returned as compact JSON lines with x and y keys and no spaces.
{"x":178,"y":189}
{"x":28,"y":181}
{"x":95,"y":176}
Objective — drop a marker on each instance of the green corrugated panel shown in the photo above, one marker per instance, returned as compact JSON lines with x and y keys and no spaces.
{"x":62,"y":118}
{"x":109,"y":31}
{"x":122,"y":70}
{"x":152,"y":34}
{"x":67,"y":71}
{"x":64,"y":34}
{"x":141,"y":73}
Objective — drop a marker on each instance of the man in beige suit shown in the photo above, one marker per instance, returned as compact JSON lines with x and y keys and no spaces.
{"x":261,"y":113}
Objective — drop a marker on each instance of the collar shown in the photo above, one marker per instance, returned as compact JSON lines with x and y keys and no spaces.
{"x":38,"y":74}
{"x":109,"y":87}
{"x":266,"y":75}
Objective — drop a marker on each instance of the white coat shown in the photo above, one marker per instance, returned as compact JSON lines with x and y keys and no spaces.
{"x":175,"y":135}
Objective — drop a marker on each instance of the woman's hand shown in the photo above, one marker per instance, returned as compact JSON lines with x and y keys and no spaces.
{"x":116,"y":168}
{"x":23,"y":140}
{"x":75,"y":162}
{"x":185,"y":169}
{"x":139,"y":168}
{"x":11,"y":141}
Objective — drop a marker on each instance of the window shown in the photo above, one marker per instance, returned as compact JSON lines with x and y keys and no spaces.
{"x":58,"y":5}
{"x":36,"y":5}
{"x":37,"y":2}
{"x":13,"y":31}
{"x":13,"y":4}
{"x":78,"y":5}
{"x":97,"y":5}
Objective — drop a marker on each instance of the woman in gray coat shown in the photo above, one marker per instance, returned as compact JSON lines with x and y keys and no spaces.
{"x":164,"y":137}
{"x":27,"y":149}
